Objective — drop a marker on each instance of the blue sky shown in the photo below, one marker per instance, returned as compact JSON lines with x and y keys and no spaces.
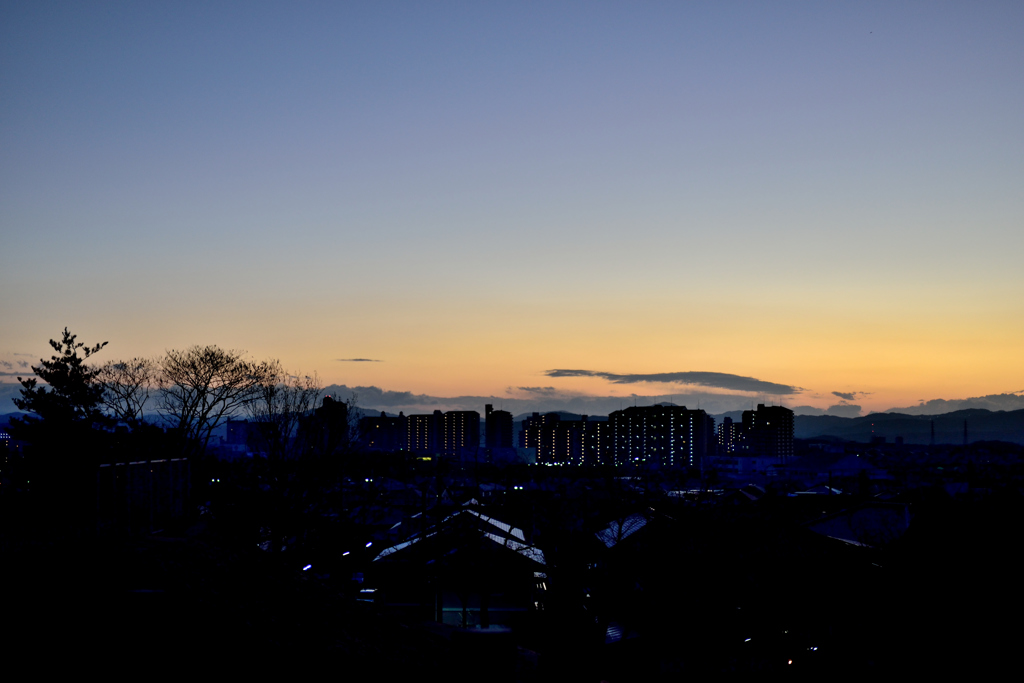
{"x":820,"y":195}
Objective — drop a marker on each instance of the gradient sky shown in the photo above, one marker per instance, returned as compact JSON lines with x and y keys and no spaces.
{"x":828,"y":196}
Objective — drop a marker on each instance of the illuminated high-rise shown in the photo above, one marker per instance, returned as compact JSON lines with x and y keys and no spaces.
{"x":461,"y":430}
{"x":666,"y":436}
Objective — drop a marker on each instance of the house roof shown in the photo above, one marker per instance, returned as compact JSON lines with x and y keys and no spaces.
{"x":619,"y":530}
{"x":489,"y":528}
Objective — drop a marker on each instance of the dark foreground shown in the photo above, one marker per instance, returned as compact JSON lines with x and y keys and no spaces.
{"x":945,"y":599}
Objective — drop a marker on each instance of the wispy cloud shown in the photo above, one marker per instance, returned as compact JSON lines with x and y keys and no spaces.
{"x":535,"y":391}
{"x":850,"y":395}
{"x":358,"y":360}
{"x":718,"y":380}
{"x":11,"y":364}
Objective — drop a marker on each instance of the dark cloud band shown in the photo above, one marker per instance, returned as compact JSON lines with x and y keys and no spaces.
{"x":718,"y":380}
{"x":358,"y":360}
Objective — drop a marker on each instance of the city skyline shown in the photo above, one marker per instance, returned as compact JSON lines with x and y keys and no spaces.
{"x":812,"y":205}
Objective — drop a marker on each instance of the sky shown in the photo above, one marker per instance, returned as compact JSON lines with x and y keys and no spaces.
{"x":817,"y":204}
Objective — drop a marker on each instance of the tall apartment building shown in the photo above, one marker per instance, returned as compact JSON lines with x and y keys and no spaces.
{"x":667,"y":436}
{"x":729,"y":435}
{"x":498,"y":426}
{"x":326,"y":430}
{"x":533,"y":428}
{"x":767,"y":432}
{"x":425,"y":433}
{"x":461,"y":430}
{"x":565,"y":442}
{"x":383,"y":433}
{"x":757,"y":445}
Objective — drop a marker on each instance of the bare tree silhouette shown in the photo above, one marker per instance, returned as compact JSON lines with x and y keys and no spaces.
{"x":202,"y":386}
{"x":126,"y":386}
{"x":281,"y":401}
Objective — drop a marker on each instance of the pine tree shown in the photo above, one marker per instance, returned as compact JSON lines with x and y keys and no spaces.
{"x":73,"y":397}
{"x":63,"y":439}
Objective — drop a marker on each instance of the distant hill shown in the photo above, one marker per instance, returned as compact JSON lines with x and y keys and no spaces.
{"x":982,"y":425}
{"x":939,"y":406}
{"x":564,"y":414}
{"x":734,"y":415}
